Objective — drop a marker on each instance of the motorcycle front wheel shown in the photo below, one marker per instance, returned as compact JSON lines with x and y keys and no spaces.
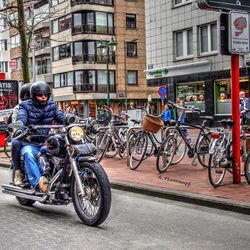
{"x":94,"y":206}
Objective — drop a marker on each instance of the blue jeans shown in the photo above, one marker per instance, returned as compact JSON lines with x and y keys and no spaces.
{"x":33,"y":171}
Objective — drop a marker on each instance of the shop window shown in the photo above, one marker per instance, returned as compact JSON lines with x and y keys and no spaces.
{"x":183,"y":43}
{"x":131,"y":21}
{"x":192,"y":94}
{"x":223,"y":97}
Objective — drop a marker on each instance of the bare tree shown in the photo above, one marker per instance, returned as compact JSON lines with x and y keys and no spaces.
{"x":20,"y":16}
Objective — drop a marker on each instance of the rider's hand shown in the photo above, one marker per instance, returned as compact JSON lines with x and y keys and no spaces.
{"x":17,"y":133}
{"x":31,"y":128}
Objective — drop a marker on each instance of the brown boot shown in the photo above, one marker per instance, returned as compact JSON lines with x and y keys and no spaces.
{"x":18,"y":178}
{"x":43,"y":184}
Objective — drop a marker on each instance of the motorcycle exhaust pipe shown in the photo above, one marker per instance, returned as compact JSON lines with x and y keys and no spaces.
{"x":25,"y":196}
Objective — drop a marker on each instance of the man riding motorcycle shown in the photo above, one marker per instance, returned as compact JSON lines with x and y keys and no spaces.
{"x":39,"y":110}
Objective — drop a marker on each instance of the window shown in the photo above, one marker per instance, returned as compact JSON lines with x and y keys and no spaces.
{"x":131,"y":21}
{"x":4,"y":67}
{"x":193,"y":94}
{"x":3,"y":45}
{"x":183,"y":43}
{"x":180,"y":2}
{"x":208,"y":38}
{"x":55,"y":53}
{"x":64,"y":79}
{"x":132,"y":77}
{"x":62,"y":52}
{"x":132,"y":49}
{"x":56,"y":2}
{"x":61,"y":24}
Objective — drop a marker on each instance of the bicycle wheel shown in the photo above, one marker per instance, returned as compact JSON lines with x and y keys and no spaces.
{"x":102,"y":143}
{"x":166,"y":154}
{"x":247,"y":169}
{"x":137,"y":148}
{"x":216,"y":172}
{"x":203,"y":150}
{"x":181,"y":149}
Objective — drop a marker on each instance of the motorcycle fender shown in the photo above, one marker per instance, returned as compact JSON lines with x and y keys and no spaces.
{"x":86,"y":159}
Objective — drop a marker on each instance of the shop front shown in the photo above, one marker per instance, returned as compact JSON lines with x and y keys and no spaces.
{"x":222,"y":93}
{"x":208,"y":91}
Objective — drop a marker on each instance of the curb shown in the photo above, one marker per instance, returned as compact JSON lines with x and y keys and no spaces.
{"x":191,"y":198}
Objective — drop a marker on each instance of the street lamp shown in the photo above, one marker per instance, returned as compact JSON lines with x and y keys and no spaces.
{"x":125,"y":71}
{"x":107,"y":48}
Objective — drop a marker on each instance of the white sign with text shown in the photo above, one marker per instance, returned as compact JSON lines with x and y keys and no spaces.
{"x":239,"y":33}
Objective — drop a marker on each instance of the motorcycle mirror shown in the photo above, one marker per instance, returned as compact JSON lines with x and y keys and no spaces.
{"x":16,"y":125}
{"x":70,"y":119}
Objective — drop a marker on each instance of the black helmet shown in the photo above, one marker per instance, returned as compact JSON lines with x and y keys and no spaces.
{"x":40,"y":87}
{"x":25,"y":91}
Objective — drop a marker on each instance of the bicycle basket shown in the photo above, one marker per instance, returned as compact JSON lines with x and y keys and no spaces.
{"x":152,"y":123}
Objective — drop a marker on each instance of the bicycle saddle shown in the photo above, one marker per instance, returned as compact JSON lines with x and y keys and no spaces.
{"x":172,"y":122}
{"x":209,"y":118}
{"x":135,"y":121}
{"x":227,"y":122}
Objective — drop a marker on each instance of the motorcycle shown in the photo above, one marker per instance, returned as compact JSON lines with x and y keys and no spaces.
{"x":69,"y":163}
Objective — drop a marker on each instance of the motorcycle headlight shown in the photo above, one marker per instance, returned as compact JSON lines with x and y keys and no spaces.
{"x":76,"y":133}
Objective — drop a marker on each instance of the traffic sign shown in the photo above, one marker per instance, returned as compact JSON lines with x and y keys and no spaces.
{"x":239,"y":33}
{"x":227,"y":5}
{"x":162,"y":91}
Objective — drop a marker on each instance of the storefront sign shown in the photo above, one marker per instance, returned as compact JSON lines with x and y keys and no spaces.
{"x":158,"y":73}
{"x":239,"y":33}
{"x":120,"y":95}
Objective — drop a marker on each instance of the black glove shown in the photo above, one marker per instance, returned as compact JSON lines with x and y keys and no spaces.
{"x":17,"y":133}
{"x":32,"y":128}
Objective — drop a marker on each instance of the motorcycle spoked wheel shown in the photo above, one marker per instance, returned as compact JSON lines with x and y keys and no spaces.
{"x":94,"y":207}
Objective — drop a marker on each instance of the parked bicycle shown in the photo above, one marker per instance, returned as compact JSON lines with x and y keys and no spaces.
{"x":144,"y":142}
{"x":177,"y":141}
{"x":221,"y":158}
{"x":111,"y":139}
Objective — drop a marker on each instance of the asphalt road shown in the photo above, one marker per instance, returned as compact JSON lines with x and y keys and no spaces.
{"x":135,"y":222}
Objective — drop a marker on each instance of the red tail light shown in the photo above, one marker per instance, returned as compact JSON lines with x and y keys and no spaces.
{"x":215,"y":136}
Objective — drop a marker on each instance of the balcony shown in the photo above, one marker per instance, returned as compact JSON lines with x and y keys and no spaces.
{"x":92,"y":58}
{"x":98,"y":2}
{"x":84,"y":88}
{"x":94,"y":29}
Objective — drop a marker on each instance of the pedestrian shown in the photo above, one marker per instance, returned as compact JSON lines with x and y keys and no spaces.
{"x":167,"y":115}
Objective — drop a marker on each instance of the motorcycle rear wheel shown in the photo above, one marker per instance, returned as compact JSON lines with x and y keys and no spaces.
{"x":94,"y":207}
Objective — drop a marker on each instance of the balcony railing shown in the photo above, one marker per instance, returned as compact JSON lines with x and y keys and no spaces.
{"x":84,"y":88}
{"x":101,"y":2}
{"x":92,"y":58}
{"x":89,"y":28}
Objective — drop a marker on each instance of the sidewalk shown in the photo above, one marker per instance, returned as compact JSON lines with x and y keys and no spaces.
{"x":182,"y":182}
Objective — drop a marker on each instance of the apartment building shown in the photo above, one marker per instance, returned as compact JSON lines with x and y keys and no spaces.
{"x":4,"y":45}
{"x":183,"y":54}
{"x":83,"y":77}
